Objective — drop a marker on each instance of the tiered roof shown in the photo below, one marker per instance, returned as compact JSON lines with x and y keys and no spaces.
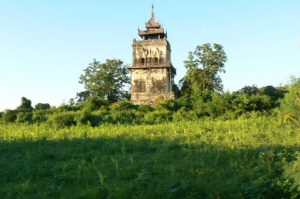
{"x":153,"y":28}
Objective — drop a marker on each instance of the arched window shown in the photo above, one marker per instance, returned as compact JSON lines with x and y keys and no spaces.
{"x":142,"y":61}
{"x":155,"y":60}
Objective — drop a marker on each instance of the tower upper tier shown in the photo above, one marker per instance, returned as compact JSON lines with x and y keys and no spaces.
{"x":153,"y":29}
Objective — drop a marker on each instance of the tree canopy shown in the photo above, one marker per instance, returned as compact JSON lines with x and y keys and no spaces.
{"x":106,"y":80}
{"x":203,"y":67}
{"x":25,"y":105}
{"x":290,"y":105}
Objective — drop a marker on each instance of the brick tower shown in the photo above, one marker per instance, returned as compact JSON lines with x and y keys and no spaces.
{"x":152,"y":73}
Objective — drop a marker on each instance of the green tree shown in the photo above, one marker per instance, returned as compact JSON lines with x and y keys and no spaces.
{"x":9,"y":116}
{"x":203,"y":68}
{"x":290,"y":104}
{"x":42,"y":106}
{"x":25,"y":105}
{"x":83,"y":96}
{"x":24,"y":117}
{"x":40,"y":116}
{"x":106,"y":80}
{"x":249,"y":90}
{"x":274,"y":93}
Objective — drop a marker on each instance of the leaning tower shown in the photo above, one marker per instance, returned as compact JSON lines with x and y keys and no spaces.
{"x":152,"y":72}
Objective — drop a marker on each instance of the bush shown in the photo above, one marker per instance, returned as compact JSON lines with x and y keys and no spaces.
{"x":68,"y":107}
{"x":218,"y":105}
{"x":274,"y":93}
{"x":184,"y":115}
{"x":158,"y":116}
{"x":123,"y":117}
{"x":40,"y":116}
{"x":86,"y":117}
{"x":171,"y":105}
{"x":186,"y":102}
{"x":289,"y":182}
{"x":144,"y":108}
{"x":9,"y":116}
{"x":292,"y":171}
{"x":256,"y":103}
{"x":24,"y":117}
{"x":25,"y":105}
{"x":243,"y":103}
{"x":123,"y":106}
{"x":63,"y":119}
{"x":94,"y":103}
{"x":42,"y":106}
{"x":200,"y":107}
{"x":290,"y":105}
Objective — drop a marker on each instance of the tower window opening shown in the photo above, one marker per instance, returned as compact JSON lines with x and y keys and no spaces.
{"x":155,"y":60}
{"x":142,"y":61}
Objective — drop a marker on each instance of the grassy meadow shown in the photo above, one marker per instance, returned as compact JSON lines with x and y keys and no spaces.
{"x":207,"y":158}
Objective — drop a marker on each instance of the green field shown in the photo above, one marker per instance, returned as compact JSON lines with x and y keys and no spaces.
{"x":242,"y":158}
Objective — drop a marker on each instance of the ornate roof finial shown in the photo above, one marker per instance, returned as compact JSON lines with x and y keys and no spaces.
{"x":152,"y":11}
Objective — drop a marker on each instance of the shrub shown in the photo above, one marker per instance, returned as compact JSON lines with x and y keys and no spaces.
{"x":40,"y":116}
{"x":218,"y":105}
{"x":200,"y":107}
{"x":68,"y":107}
{"x":171,"y":105}
{"x":86,"y":117}
{"x":158,"y":116}
{"x":123,"y":117}
{"x":25,"y":105}
{"x":63,"y":119}
{"x":289,"y":182}
{"x":274,"y":93}
{"x":243,"y":103}
{"x":122,"y":106}
{"x":292,"y":171}
{"x":145,"y":108}
{"x":24,"y":117}
{"x":9,"y":116}
{"x":104,"y":115}
{"x":290,"y":105}
{"x":258,"y":103}
{"x":186,"y":102}
{"x":42,"y":106}
{"x":184,"y":115}
{"x":94,"y":103}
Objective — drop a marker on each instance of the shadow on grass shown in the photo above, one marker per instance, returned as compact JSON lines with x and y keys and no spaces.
{"x":125,"y":167}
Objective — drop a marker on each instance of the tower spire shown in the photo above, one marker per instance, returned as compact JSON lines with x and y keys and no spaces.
{"x":152,"y":11}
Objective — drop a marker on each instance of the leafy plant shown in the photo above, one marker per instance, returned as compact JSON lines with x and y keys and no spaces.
{"x":290,"y":105}
{"x":62,"y":119}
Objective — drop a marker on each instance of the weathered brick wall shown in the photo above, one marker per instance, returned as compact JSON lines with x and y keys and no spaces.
{"x":148,"y":85}
{"x":150,"y":78}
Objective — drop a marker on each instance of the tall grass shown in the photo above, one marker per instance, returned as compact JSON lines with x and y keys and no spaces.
{"x":242,"y":158}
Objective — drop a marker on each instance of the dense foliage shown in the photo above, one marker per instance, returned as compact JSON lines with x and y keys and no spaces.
{"x":290,"y":105}
{"x":95,"y":111}
{"x":105,"y":80}
{"x":203,"y":67}
{"x":247,"y":157}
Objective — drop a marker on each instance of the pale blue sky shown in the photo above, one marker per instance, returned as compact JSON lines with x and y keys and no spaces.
{"x":46,"y":44}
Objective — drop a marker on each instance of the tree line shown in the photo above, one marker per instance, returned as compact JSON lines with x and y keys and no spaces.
{"x":199,"y":94}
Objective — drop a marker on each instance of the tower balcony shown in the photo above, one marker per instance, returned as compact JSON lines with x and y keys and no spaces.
{"x":149,"y":65}
{"x":154,"y":40}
